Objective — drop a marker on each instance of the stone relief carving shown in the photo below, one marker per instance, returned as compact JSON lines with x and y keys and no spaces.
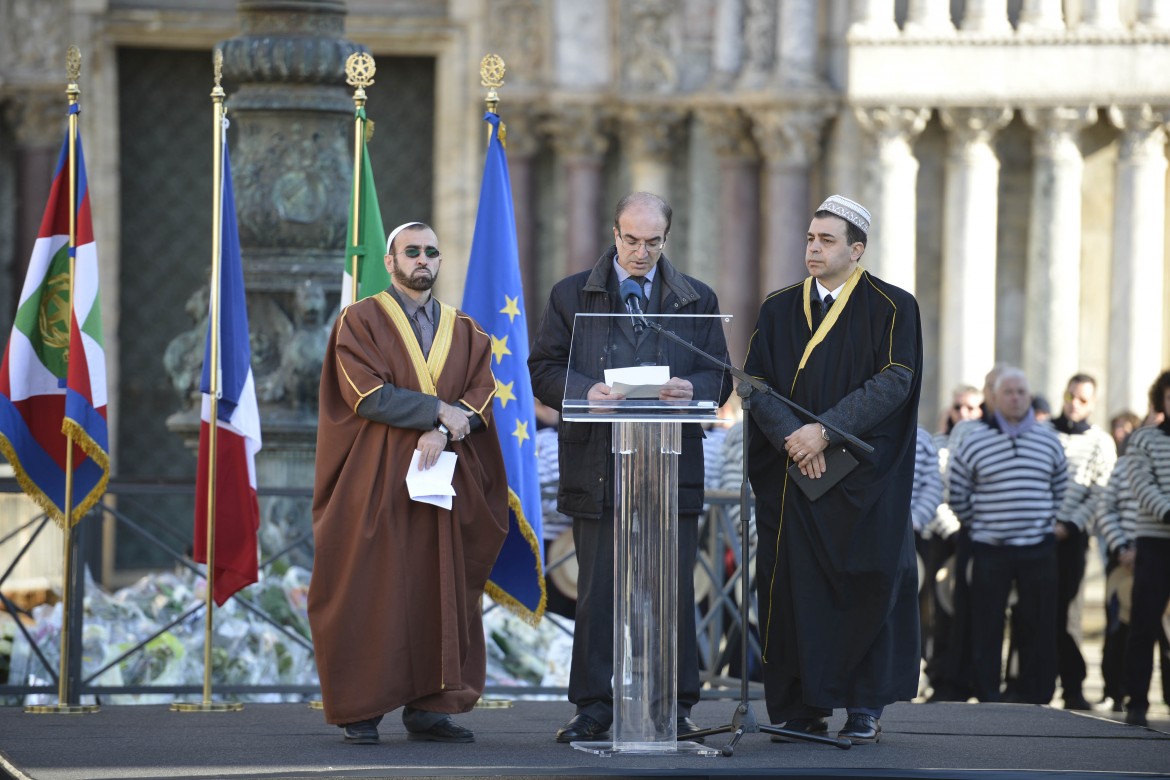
{"x":759,"y":43}
{"x":728,"y":131}
{"x":286,"y":351}
{"x":787,"y":135}
{"x":648,"y":46}
{"x":33,"y":37}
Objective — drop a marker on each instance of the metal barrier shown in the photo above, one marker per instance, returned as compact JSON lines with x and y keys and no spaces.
{"x":719,"y":569}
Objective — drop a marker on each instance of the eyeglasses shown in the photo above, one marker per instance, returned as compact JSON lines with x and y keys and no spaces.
{"x":414,"y":251}
{"x":652,"y":245}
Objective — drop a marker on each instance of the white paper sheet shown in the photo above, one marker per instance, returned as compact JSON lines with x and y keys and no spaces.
{"x":637,"y":381}
{"x":433,"y":485}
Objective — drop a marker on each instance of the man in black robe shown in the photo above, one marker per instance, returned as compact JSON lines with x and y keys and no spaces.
{"x":836,"y":577}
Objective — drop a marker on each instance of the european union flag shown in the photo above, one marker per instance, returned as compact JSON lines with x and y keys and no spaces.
{"x":494,"y":297}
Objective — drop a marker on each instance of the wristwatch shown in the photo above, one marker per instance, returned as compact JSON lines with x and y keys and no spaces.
{"x":443,"y":429}
{"x":825,"y":434}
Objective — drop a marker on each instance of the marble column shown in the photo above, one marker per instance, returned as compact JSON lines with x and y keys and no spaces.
{"x":577,"y":135}
{"x":796,"y":43}
{"x":891,"y":252}
{"x":1101,"y":15}
{"x":967,"y":299}
{"x":1041,"y":16}
{"x":789,"y":139}
{"x":1053,"y":287}
{"x":1137,"y":329}
{"x":874,"y":18}
{"x":985,"y":16}
{"x":1153,"y":15}
{"x":738,"y":220}
{"x":649,"y":138}
{"x":929,"y":17}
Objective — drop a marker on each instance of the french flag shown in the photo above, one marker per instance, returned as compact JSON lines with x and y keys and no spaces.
{"x":237,"y":439}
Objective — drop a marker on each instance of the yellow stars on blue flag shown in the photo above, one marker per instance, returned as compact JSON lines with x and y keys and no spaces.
{"x":521,"y":432}
{"x":511,"y":308}
{"x":500,"y":348}
{"x":504,"y":393}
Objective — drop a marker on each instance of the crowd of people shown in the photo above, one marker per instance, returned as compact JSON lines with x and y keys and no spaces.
{"x":1005,"y":506}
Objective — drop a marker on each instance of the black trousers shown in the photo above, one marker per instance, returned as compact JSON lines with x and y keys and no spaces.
{"x":1070,"y":572}
{"x":1151,"y":591}
{"x":591,"y":676}
{"x":1033,"y":571}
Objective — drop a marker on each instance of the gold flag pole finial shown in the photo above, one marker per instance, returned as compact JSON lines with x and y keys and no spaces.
{"x":359,"y":74}
{"x":217,"y":62}
{"x":491,"y":75}
{"x":73,"y":72}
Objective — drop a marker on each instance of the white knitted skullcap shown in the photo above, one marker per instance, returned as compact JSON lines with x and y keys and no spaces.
{"x":849,"y":210}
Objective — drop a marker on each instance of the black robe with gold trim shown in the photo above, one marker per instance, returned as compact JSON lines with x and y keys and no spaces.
{"x":836,"y":578}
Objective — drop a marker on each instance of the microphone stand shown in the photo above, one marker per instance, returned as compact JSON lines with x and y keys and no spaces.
{"x":744,"y":721}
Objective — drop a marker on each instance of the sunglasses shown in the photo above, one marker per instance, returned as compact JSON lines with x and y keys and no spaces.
{"x":414,"y":251}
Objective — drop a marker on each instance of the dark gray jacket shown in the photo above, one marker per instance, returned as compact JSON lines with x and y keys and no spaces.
{"x":586,"y":460}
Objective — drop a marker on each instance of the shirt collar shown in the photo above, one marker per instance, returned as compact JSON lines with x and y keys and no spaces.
{"x":623,"y":274}
{"x":823,"y":291}
{"x":409,"y":305}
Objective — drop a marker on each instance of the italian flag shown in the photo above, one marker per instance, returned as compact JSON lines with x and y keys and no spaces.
{"x":53,"y":377}
{"x":370,"y":248}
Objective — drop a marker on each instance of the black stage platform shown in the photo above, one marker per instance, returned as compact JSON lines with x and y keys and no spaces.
{"x":292,"y":741}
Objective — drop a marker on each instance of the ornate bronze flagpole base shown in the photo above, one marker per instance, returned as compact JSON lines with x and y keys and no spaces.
{"x":61,"y":709}
{"x":207,"y":706}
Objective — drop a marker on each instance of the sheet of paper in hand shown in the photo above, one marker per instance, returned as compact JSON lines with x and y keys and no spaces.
{"x":432,"y":486}
{"x":637,"y":381}
{"x":839,"y":461}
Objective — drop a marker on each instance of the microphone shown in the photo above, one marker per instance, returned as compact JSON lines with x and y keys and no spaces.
{"x":631,"y":293}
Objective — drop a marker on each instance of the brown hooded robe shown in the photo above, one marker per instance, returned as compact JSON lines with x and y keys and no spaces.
{"x":394,"y":603}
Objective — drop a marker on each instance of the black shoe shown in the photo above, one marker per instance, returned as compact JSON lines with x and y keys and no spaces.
{"x":861,"y":729}
{"x":1076,"y":702}
{"x":582,"y":728}
{"x":363,"y":732}
{"x":685,"y":728}
{"x":1136,"y":718}
{"x":804,"y":726}
{"x":445,"y":730}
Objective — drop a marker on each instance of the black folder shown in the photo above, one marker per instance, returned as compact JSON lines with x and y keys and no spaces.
{"x":839,"y":461}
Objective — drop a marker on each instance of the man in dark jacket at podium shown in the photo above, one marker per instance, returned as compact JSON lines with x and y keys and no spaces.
{"x":586,"y":491}
{"x":836,"y":575}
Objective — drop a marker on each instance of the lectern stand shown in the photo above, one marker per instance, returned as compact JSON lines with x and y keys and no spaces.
{"x":647,"y":443}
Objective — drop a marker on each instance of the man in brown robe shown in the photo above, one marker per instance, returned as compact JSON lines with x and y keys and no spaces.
{"x":394,"y":603}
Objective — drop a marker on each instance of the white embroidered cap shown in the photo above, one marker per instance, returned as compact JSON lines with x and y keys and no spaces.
{"x":849,"y":210}
{"x":397,"y":230}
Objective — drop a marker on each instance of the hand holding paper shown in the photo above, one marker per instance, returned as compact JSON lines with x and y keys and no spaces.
{"x":637,"y":381}
{"x":433,"y":485}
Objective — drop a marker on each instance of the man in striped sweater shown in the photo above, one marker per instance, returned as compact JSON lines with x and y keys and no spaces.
{"x":1091,"y":453}
{"x":1113,"y":523}
{"x":1007,"y":478}
{"x":1149,"y":478}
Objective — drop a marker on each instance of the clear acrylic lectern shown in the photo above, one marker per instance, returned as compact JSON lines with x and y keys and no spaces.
{"x":637,"y":356}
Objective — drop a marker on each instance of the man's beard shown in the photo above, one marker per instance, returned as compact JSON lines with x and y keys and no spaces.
{"x":410,"y":282}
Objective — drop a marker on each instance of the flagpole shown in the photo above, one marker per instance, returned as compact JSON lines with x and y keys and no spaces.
{"x":359,"y":73}
{"x":217,"y":96}
{"x":64,"y":705}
